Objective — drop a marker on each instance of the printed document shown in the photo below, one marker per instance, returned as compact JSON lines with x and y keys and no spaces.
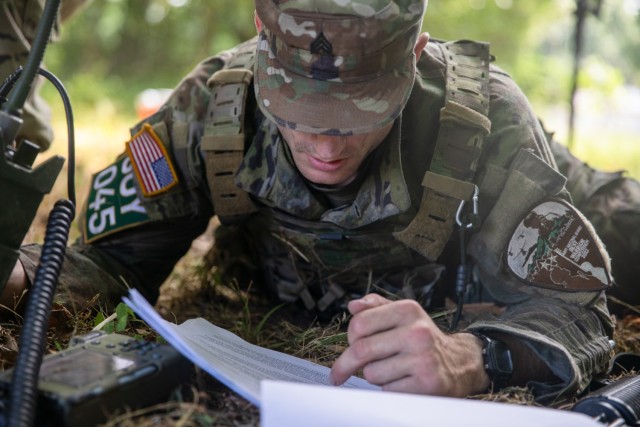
{"x":239,"y":365}
{"x":289,"y":389}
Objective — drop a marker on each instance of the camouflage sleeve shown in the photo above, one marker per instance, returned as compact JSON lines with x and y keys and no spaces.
{"x":99,"y":274}
{"x":134,"y":229}
{"x":561,"y":317}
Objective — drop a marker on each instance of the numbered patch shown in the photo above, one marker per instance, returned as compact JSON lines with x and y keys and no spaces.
{"x":113,"y":203}
{"x":151,"y":163}
{"x":553,"y":247}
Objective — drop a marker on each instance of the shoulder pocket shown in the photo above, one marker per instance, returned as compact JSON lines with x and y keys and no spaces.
{"x":529,"y":180}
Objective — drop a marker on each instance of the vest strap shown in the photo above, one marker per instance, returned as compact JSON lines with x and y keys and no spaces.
{"x":224,"y":137}
{"x":463,"y":126}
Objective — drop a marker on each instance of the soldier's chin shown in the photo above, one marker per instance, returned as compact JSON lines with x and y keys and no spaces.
{"x":328,"y":178}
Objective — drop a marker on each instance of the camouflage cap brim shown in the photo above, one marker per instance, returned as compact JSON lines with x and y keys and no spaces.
{"x":329,"y":107}
{"x":332,"y":67}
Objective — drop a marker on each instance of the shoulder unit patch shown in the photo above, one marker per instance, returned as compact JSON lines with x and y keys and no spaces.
{"x":554,"y":247}
{"x":112,"y":204}
{"x":151,"y":163}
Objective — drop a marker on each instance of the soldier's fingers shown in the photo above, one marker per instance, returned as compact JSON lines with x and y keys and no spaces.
{"x":363,"y":352}
{"x":384,"y":317}
{"x":388,"y":370}
{"x":366,"y":302}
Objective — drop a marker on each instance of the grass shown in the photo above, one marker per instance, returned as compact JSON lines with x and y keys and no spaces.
{"x":193,"y":289}
{"x":608,"y":150}
{"x":607,"y":141}
{"x":620,"y":152}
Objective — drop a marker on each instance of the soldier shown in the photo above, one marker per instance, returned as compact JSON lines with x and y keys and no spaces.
{"x":18,"y":24}
{"x":365,"y":165}
{"x":611,"y":201}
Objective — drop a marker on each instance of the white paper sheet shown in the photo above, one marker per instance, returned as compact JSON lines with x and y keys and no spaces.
{"x":293,"y":392}
{"x":239,"y":365}
{"x":295,"y":405}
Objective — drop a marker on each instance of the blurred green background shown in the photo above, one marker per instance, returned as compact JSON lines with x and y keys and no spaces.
{"x":112,"y":50}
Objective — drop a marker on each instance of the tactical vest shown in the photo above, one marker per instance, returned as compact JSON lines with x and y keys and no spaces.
{"x":323,"y":264}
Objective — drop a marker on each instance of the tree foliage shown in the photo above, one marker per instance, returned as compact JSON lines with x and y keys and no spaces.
{"x":123,"y":46}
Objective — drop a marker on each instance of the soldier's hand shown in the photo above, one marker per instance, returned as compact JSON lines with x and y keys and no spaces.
{"x":399,"y":347}
{"x":13,"y":293}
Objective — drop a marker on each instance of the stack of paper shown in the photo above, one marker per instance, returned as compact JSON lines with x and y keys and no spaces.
{"x":294,"y":392}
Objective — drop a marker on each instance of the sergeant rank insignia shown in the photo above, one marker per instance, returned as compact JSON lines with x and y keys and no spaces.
{"x":554,"y":247}
{"x":151,"y":163}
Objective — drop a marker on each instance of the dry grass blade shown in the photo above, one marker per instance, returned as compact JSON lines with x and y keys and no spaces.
{"x":194,"y":290}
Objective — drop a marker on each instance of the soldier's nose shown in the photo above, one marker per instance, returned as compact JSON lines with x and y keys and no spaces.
{"x":328,"y":146}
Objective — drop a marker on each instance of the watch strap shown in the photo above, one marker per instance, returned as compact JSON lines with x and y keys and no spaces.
{"x":496,"y":359}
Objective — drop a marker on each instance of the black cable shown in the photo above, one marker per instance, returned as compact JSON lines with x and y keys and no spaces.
{"x":470,"y":222}
{"x":23,"y":389}
{"x":66,"y":102}
{"x":24,"y":393}
{"x":45,"y":27}
{"x":462,"y":278}
{"x":71,"y":165}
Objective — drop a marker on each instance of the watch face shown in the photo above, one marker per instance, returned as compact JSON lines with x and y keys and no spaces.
{"x":500,"y":364}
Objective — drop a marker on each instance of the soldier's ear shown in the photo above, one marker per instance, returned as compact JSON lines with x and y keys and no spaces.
{"x":258,"y":22}
{"x":421,"y":43}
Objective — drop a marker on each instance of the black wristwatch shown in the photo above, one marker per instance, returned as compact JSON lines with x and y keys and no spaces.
{"x":497,"y":360}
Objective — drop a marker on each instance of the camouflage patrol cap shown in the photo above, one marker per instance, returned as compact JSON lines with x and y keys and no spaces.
{"x":336,"y":66}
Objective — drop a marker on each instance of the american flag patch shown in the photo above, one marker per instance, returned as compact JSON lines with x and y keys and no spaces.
{"x":151,"y":163}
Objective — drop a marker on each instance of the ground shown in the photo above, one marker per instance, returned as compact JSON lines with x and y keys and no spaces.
{"x":194,"y":290}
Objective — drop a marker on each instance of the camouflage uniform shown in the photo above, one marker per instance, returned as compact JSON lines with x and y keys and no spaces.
{"x":18,"y":24}
{"x":611,"y":201}
{"x":309,"y":249}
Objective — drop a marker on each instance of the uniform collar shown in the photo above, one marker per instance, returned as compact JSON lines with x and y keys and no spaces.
{"x":268,"y":173}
